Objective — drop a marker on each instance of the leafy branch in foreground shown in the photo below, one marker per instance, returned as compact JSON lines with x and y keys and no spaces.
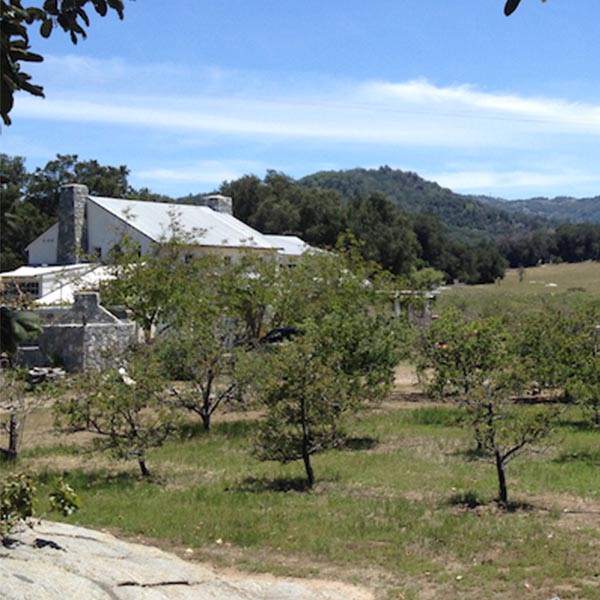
{"x":69,"y":15}
{"x":17,"y":500}
{"x":511,"y":6}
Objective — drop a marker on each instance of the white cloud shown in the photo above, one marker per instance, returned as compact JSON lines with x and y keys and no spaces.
{"x":490,"y":179}
{"x":465,"y":101}
{"x":413,"y":113}
{"x":210,"y":172}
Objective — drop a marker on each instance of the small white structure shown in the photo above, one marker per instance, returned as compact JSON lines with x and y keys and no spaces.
{"x":56,"y":284}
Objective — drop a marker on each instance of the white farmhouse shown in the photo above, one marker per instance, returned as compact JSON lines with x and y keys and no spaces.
{"x":90,"y":227}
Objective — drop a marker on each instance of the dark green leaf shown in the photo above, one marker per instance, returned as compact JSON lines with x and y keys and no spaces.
{"x":51,"y":6}
{"x":511,"y":6}
{"x":117,"y":5}
{"x":100,"y":6}
{"x":83,"y":16}
{"x":46,"y":28}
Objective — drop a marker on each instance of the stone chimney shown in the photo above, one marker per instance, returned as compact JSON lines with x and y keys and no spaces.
{"x":72,"y":242}
{"x":219,"y":203}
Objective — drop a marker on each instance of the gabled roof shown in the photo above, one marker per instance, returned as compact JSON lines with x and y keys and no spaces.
{"x":288,"y":245}
{"x":206,"y":226}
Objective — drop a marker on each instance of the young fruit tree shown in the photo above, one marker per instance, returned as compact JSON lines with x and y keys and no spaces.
{"x":147,"y":287}
{"x":17,"y":401}
{"x":477,"y":359}
{"x":583,"y":383}
{"x":220,"y":314}
{"x":455,"y":355}
{"x":343,"y":357}
{"x":125,"y":407}
{"x":505,"y":428}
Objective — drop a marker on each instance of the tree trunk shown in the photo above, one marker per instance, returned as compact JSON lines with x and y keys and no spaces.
{"x":143,"y":467}
{"x":310,"y":474}
{"x":13,"y":437}
{"x":502,"y":490}
{"x":206,"y":420}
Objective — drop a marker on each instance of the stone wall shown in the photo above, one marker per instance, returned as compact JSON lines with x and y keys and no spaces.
{"x":87,"y":337}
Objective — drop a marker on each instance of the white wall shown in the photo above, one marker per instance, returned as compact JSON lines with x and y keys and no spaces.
{"x":105,"y":231}
{"x":42,"y":251}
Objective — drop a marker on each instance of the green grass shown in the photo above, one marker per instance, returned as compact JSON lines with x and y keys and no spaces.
{"x":562,"y":283}
{"x":390,"y":510}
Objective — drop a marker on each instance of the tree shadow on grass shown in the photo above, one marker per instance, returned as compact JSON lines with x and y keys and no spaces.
{"x":589,"y":457}
{"x":264,"y":484}
{"x":470,"y":454}
{"x":579,"y":425}
{"x":472,"y":501}
{"x":97,"y":480}
{"x":230,"y":429}
{"x":358,"y":443}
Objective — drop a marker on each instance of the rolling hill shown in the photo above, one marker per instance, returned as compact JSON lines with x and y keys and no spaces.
{"x":411,"y":193}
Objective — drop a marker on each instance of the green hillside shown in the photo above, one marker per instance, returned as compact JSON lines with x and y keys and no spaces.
{"x":564,"y":210}
{"x":412,"y":193}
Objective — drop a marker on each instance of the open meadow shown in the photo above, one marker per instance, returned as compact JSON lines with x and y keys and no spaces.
{"x":535,"y":285}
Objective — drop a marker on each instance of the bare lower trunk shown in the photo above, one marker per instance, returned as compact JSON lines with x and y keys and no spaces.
{"x":206,"y":420}
{"x":502,"y":490}
{"x":143,"y":467}
{"x":310,"y":474}
{"x":13,"y":437}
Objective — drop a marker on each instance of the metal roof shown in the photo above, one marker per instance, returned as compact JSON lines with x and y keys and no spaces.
{"x":289,"y":245}
{"x":65,"y":293}
{"x":205,"y":226}
{"x":35,"y":271}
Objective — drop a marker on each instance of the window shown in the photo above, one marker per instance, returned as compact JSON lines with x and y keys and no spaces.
{"x":14,"y":289}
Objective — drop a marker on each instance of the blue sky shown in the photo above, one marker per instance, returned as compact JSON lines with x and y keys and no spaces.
{"x":190,"y":93}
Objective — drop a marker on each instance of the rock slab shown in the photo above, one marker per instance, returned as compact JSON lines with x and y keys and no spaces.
{"x":56,"y":561}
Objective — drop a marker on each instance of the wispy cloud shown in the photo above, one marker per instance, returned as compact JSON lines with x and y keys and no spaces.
{"x":467,"y":102}
{"x":202,"y":172}
{"x":468,"y":181}
{"x":407,"y":113}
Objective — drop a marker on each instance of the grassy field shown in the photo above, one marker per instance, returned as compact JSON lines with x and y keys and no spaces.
{"x":404,"y":509}
{"x":562,"y":283}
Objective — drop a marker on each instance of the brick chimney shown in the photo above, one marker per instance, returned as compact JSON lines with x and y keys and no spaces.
{"x":72,"y":234}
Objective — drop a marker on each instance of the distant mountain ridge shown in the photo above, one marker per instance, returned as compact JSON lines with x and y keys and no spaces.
{"x":560,"y":209}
